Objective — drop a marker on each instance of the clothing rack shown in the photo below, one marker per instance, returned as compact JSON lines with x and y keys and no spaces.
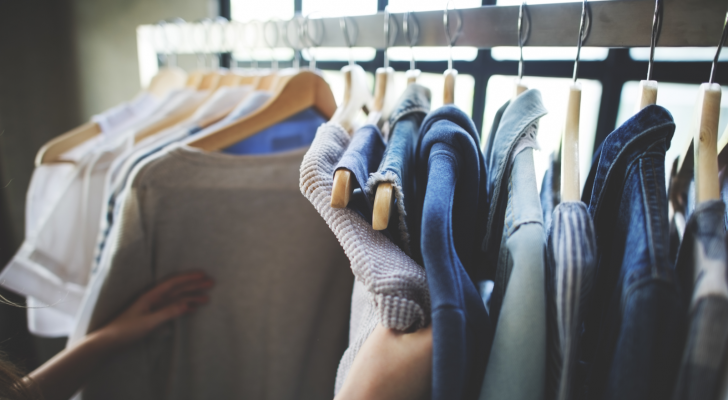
{"x":618,"y":23}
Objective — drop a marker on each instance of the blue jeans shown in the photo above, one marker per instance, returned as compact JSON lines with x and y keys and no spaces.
{"x":635,"y":319}
{"x":451,"y":191}
{"x":362,"y":158}
{"x":397,"y":167}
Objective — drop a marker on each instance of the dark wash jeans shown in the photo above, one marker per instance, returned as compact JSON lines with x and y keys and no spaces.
{"x":398,"y":167}
{"x":451,"y":188}
{"x":362,"y":158}
{"x":633,"y":329}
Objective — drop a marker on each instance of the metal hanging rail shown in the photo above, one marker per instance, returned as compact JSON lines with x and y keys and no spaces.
{"x":616,"y":23}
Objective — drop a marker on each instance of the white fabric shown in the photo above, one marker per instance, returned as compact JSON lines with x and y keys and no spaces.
{"x":121,"y":116}
{"x":63,"y":211}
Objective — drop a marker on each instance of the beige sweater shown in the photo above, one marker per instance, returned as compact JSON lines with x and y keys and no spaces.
{"x":390,"y":288}
{"x":276,"y":326}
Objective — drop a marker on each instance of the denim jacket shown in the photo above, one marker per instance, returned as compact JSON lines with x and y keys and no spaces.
{"x":517,"y":121}
{"x":451,"y":194}
{"x":632,"y":339}
{"x":701,"y":265}
{"x":516,"y":367}
{"x":397,"y":167}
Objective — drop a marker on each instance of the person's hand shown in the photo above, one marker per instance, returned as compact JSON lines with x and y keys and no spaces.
{"x":391,"y":366}
{"x":178,"y":295}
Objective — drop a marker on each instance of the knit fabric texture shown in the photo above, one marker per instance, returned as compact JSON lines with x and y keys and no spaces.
{"x":395,"y":291}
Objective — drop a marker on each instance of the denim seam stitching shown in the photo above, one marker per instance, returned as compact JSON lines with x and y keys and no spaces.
{"x":609,"y":174}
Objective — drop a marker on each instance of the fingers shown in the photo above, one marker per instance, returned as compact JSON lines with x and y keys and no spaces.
{"x":181,"y":290}
{"x":178,"y":308}
{"x":158,"y":292}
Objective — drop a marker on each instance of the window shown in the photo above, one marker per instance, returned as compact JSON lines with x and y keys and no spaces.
{"x":430,"y":53}
{"x":555,"y":93}
{"x":681,"y":100}
{"x":677,"y":54}
{"x":546,"y":53}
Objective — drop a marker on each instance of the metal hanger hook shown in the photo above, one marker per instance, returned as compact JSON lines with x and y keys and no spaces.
{"x":720,"y":47}
{"x":656,"y":28}
{"x":312,"y":41}
{"x":584,"y":26}
{"x":272,"y":43}
{"x":165,"y":47}
{"x":412,"y":36}
{"x":523,"y":36}
{"x":287,"y":39}
{"x":452,"y":39}
{"x":388,"y":38}
{"x":344,"y":24}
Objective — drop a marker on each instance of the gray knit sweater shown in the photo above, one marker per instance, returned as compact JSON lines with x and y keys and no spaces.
{"x":390,"y":287}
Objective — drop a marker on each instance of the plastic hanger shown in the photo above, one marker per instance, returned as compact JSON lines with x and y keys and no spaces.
{"x":522,"y":39}
{"x":411,"y":30}
{"x":648,"y":87}
{"x":451,"y":73}
{"x":356,"y":97}
{"x":570,"y":182}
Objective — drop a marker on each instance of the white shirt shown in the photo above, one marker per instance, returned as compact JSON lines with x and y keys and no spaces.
{"x":63,"y":210}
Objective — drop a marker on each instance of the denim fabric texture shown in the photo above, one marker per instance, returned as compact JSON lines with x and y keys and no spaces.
{"x":517,"y":363}
{"x":551,"y":189}
{"x":636,"y":316}
{"x":451,"y":191}
{"x":701,"y":266}
{"x":518,"y":122}
{"x":362,"y":158}
{"x":571,"y":267}
{"x":397,"y":167}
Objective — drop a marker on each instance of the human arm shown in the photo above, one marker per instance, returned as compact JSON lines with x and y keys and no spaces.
{"x":64,"y":374}
{"x":391,"y":366}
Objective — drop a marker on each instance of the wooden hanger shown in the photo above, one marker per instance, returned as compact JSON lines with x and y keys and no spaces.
{"x":166,"y":80}
{"x":704,"y":136}
{"x":212,"y":80}
{"x":295,"y":92}
{"x":356,"y":96}
{"x":707,"y":185}
{"x":383,"y":199}
{"x":570,"y":183}
{"x":194,"y":79}
{"x":448,"y":94}
{"x":570,"y":149}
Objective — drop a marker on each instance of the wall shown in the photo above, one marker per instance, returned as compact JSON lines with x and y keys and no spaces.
{"x":62,"y":61}
{"x":105,"y":35}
